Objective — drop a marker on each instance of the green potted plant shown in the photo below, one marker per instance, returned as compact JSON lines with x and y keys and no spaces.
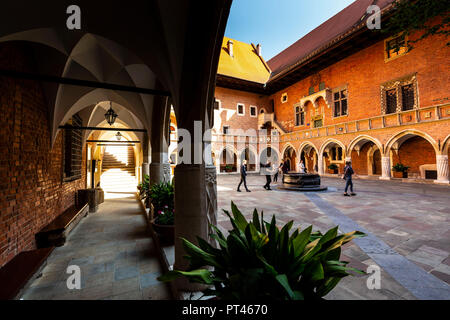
{"x":400,"y":170}
{"x":163,"y":210}
{"x":257,"y":261}
{"x":333,"y":168}
{"x":228,"y":168}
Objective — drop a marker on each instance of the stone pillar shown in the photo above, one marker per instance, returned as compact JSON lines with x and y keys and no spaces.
{"x":385,"y":168}
{"x":320,"y":164}
{"x":191,"y":215}
{"x":442,"y":169}
{"x":159,"y":172}
{"x":145,"y":169}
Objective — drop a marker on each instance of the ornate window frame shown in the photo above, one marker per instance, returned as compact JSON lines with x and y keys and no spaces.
{"x":397,"y":84}
{"x":284,"y":97}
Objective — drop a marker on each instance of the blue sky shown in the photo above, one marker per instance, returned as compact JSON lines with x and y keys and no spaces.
{"x":276,"y":24}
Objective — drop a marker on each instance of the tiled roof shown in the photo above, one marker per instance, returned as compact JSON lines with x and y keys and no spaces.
{"x":246,"y":64}
{"x":329,"y":31}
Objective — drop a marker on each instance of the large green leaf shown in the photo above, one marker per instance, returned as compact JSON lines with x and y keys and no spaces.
{"x":199,"y":275}
{"x":239,"y":218}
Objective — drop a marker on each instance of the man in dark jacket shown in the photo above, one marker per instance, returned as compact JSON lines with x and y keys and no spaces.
{"x":243,"y":176}
{"x":348,"y":172}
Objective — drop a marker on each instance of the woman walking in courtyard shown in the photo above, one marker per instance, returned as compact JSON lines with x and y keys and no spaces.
{"x":348,"y":172}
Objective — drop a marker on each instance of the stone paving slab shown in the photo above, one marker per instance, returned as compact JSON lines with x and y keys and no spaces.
{"x":115,"y":254}
{"x":408,"y":224}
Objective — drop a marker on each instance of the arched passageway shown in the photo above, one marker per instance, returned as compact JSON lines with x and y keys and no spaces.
{"x":250,"y":156}
{"x":417,"y":153}
{"x":365,"y":155}
{"x":228,"y":161}
{"x":269,"y":154}
{"x":333,"y":153}
{"x":290,"y":158}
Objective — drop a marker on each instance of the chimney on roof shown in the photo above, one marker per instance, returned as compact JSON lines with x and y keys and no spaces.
{"x":258,"y":49}
{"x":230,"y":48}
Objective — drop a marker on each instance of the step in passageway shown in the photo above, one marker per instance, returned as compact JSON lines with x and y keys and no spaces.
{"x":116,"y":256}
{"x":118,"y":171}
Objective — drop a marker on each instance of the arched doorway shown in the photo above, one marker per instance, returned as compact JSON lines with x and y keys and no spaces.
{"x":228,"y":161}
{"x":290,"y":158}
{"x":365,"y":156}
{"x":308,"y":154}
{"x":333,"y":153}
{"x":269,"y":154}
{"x":417,"y":153}
{"x":250,"y":156}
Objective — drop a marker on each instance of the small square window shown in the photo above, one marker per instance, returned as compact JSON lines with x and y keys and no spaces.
{"x":226,"y":129}
{"x":321,"y":86}
{"x":284,"y":98}
{"x":395,"y":47}
{"x":311,"y":91}
{"x":240,"y":109}
{"x":216,"y":104}
{"x":253,"y":111}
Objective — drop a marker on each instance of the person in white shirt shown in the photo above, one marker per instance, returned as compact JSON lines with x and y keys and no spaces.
{"x":302,"y":167}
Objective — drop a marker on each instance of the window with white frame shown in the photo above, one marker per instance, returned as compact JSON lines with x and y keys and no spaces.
{"x":253,"y":111}
{"x":240,"y":109}
{"x":226,"y":130}
{"x":340,"y":102}
{"x":217,"y":104}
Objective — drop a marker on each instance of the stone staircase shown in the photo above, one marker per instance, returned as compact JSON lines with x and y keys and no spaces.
{"x":118,"y":170}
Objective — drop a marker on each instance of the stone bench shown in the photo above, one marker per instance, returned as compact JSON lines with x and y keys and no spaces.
{"x":55,"y":233}
{"x":15,"y":275}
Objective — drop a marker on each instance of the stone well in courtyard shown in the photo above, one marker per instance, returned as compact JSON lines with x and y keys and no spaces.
{"x":301,"y":182}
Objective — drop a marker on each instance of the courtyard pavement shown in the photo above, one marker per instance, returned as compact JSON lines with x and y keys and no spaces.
{"x":407,"y":224}
{"x":115,"y":253}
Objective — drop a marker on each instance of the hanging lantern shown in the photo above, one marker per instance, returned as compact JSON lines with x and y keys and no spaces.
{"x":118,"y":136}
{"x":110,"y":115}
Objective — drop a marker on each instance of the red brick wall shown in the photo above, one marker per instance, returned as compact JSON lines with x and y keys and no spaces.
{"x":229,"y":99}
{"x":363,"y":73}
{"x":31,"y":191}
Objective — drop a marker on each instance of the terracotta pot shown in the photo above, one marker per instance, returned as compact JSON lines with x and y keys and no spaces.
{"x":398,"y":174}
{"x":166,"y":233}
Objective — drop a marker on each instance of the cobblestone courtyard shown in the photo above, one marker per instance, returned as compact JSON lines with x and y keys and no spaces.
{"x":407,"y":223}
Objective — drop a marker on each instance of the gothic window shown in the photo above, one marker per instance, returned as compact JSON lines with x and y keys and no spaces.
{"x":391,"y":101}
{"x":407,"y":97}
{"x":340,"y":103}
{"x":399,"y":95}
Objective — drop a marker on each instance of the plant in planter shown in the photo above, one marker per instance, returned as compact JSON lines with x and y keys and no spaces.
{"x":258,"y":261}
{"x":163,"y":224}
{"x":228,"y":168}
{"x":333,"y":168}
{"x":400,"y":170}
{"x":162,"y":200}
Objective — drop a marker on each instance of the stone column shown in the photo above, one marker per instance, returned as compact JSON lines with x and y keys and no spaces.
{"x":191,"y":215}
{"x":159,"y":169}
{"x":385,"y":168}
{"x":442,"y":169}
{"x":320,"y":164}
{"x":145,"y":169}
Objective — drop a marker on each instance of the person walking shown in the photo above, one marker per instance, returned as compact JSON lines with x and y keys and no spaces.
{"x":348,"y":172}
{"x":275,"y":169}
{"x":243,"y":176}
{"x":267,"y":169}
